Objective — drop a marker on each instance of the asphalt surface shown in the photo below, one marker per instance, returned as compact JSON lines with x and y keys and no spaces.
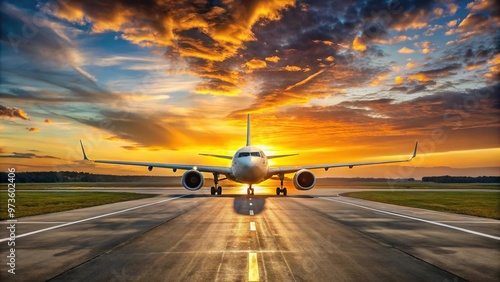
{"x":306,"y":236}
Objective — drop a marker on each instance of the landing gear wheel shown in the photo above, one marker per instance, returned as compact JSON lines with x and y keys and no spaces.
{"x":212,"y":190}
{"x":284,"y":191}
{"x":278,"y":191}
{"x":219,"y":191}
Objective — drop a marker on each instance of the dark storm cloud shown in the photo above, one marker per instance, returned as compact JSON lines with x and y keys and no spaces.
{"x":13,"y":113}
{"x":152,"y":130}
{"x":16,"y":155}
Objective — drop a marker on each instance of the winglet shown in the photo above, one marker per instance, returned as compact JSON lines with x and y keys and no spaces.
{"x":83,"y":151}
{"x":415,"y":151}
{"x":248,"y":130}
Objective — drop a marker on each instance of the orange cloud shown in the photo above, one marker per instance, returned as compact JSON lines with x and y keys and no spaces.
{"x":470,"y":67}
{"x":33,"y":129}
{"x":411,"y":65}
{"x":481,"y":5}
{"x":398,"y":80}
{"x":452,"y":23}
{"x":255,"y":64}
{"x":273,"y":59}
{"x":13,"y":113}
{"x":452,"y":8}
{"x":406,"y":50}
{"x":199,"y":39}
{"x":438,"y":11}
{"x":411,"y":21}
{"x":292,"y":68}
{"x":378,"y":79}
{"x":358,"y":45}
{"x":494,"y":73}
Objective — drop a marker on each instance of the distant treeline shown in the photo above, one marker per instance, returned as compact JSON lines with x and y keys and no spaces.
{"x":72,"y":176}
{"x":461,"y":179}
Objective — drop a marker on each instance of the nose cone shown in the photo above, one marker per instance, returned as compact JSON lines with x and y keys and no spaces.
{"x":250,"y":170}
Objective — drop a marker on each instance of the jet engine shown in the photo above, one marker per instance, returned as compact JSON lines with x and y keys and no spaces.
{"x":192,"y":180}
{"x":304,"y":180}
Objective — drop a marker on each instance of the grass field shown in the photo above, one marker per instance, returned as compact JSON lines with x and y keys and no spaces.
{"x":484,"y":204}
{"x":33,"y":203}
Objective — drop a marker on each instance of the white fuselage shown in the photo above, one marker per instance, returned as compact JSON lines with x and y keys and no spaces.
{"x":249,"y":165}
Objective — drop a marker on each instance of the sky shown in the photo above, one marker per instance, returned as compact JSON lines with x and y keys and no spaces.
{"x":335,"y":81}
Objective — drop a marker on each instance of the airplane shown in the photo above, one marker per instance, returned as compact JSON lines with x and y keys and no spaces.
{"x":249,"y":165}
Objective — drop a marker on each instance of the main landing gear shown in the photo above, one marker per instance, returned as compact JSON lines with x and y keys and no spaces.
{"x":250,"y":190}
{"x":281,"y":190}
{"x":216,"y":189}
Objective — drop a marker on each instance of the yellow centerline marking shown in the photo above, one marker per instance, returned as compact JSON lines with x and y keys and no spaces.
{"x":252,"y":226}
{"x":253,"y":267}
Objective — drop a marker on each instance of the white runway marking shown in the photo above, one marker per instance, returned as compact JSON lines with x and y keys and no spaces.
{"x":253,"y":267}
{"x":251,"y":204}
{"x":474,"y":222}
{"x":251,"y":212}
{"x":417,"y":219}
{"x":92,"y":218}
{"x":252,"y":226}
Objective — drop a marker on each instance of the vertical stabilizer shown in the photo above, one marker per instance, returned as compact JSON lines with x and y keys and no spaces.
{"x":248,"y":130}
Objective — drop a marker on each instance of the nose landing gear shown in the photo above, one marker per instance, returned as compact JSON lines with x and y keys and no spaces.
{"x":250,"y":190}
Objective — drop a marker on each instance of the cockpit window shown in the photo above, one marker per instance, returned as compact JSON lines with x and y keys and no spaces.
{"x":247,"y":154}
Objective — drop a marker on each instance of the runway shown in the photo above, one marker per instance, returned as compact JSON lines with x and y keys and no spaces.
{"x":306,"y":236}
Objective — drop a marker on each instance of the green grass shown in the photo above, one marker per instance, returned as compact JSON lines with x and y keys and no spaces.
{"x":484,"y":204}
{"x":33,"y":203}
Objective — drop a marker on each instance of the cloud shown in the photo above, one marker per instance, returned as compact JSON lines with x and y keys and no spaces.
{"x":406,"y":50}
{"x":16,"y":155}
{"x":205,"y":37}
{"x":384,"y":121}
{"x":33,"y":129}
{"x":273,"y":59}
{"x":452,"y":23}
{"x":48,"y":45}
{"x":358,"y":45}
{"x":13,"y":113}
{"x":48,"y":121}
{"x":256,"y":64}
{"x":431,"y":74}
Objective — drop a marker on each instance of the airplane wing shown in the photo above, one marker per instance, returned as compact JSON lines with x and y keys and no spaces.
{"x":292,"y":169}
{"x":201,"y":168}
{"x":217,"y":156}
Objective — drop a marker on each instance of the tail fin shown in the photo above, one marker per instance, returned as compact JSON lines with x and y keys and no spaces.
{"x":248,"y":130}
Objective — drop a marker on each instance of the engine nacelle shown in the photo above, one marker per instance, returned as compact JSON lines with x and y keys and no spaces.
{"x":304,"y":180}
{"x":192,"y":180}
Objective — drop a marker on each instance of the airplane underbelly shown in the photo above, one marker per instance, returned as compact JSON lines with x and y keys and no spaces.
{"x":252,"y":175}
